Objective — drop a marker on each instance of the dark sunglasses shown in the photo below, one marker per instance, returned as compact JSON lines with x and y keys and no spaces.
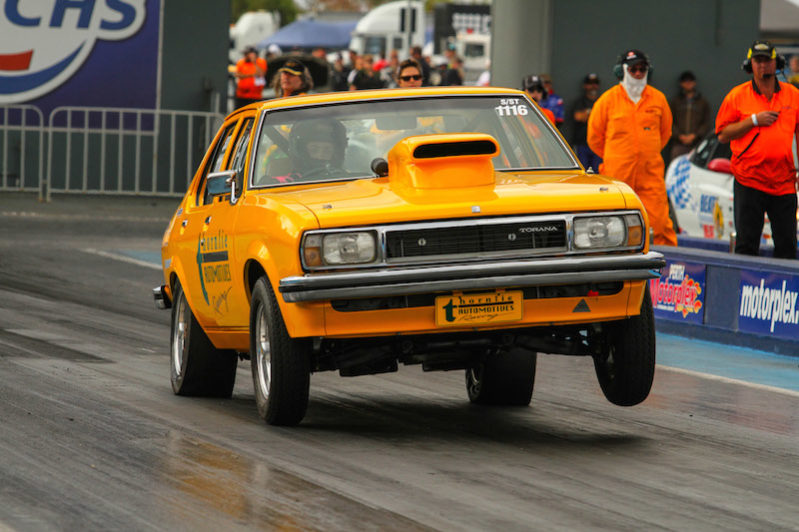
{"x":411,"y":78}
{"x":636,"y":69}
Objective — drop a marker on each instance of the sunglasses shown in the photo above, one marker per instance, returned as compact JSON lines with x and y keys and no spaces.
{"x":411,"y":78}
{"x":637,"y":69}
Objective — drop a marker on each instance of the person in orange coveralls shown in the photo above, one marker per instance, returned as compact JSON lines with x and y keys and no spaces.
{"x":628,"y":127}
{"x":760,"y":120}
{"x":250,"y":71}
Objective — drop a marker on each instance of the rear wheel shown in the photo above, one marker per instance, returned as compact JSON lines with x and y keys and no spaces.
{"x":197,"y":367}
{"x":503,"y":379}
{"x":627,"y":367}
{"x":281,"y":369}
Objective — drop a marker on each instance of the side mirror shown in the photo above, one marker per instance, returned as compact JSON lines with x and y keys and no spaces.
{"x":720,"y":165}
{"x":379,"y":166}
{"x":219,"y":183}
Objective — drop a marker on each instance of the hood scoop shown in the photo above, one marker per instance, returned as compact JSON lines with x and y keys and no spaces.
{"x":455,"y":160}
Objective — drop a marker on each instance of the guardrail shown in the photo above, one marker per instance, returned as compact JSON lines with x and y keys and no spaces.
{"x":102,"y":150}
{"x":22,"y":134}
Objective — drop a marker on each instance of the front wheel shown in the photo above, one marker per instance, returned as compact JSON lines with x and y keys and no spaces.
{"x":197,"y":367}
{"x":626,"y":368}
{"x":503,"y":379}
{"x":281,"y":369}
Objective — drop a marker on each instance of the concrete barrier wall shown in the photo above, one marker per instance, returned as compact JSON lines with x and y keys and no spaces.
{"x":733,"y":299}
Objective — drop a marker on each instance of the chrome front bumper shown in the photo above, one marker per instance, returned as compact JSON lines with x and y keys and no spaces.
{"x":162,"y":300}
{"x":474,"y":276}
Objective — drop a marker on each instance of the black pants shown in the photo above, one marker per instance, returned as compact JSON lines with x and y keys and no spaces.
{"x":750,"y":205}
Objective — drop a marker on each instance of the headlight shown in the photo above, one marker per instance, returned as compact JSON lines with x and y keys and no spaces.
{"x":335,"y":249}
{"x":600,"y":232}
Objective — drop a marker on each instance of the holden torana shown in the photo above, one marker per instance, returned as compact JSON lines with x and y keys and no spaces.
{"x":451,"y":228}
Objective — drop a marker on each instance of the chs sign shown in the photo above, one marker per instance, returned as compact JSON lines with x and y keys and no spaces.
{"x":44,"y":42}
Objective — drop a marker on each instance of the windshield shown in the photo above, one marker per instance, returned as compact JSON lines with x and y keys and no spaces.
{"x":340,"y":141}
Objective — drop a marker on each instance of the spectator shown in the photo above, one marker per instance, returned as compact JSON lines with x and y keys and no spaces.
{"x":292,"y":79}
{"x":793,"y":71}
{"x":534,"y":88}
{"x":453,"y":73}
{"x":250,"y":77}
{"x":691,"y":114}
{"x":339,"y":73}
{"x":628,"y":127}
{"x":552,"y":101}
{"x":582,"y":110}
{"x":416,"y":54}
{"x":356,"y":62}
{"x":388,"y":74}
{"x":759,"y":119}
{"x":484,"y":79}
{"x":272,"y":52}
{"x":409,"y":74}
{"x":366,"y":77}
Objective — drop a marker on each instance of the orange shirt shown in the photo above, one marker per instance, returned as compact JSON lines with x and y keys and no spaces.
{"x":549,"y":114}
{"x":762,"y":159}
{"x":251,"y":85}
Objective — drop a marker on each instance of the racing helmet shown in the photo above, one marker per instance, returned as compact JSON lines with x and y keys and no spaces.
{"x":319,"y":130}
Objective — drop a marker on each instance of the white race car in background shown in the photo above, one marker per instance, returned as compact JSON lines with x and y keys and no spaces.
{"x":700,"y":189}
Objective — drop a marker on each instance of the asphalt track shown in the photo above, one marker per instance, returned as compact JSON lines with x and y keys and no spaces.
{"x":92,"y":438}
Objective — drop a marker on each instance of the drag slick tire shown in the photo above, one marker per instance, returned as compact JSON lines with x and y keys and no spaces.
{"x":281,"y":370}
{"x":503,"y":379}
{"x":197,"y":368}
{"x":627,"y":367}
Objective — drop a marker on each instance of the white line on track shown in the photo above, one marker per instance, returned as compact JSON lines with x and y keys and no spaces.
{"x":123,"y":258}
{"x":728,"y":380}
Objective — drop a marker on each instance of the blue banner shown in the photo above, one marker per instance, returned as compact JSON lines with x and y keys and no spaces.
{"x":96,"y":53}
{"x":767,"y":304}
{"x":679,"y":293}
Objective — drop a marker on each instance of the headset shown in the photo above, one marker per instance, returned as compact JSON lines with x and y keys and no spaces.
{"x":746,"y":66}
{"x":618,"y":68}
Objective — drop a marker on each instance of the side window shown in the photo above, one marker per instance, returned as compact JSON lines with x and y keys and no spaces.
{"x":216,"y":160}
{"x":240,"y":152}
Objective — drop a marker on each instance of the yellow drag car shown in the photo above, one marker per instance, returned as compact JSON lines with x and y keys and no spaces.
{"x":451,"y":228}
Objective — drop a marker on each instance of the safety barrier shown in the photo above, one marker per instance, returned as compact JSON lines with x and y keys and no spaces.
{"x":22,"y":134}
{"x":102,"y":150}
{"x":734,"y":299}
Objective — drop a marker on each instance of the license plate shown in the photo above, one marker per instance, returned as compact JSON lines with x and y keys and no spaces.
{"x":474,"y":309}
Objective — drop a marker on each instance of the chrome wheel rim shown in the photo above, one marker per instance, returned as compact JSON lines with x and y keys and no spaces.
{"x":474,"y":379}
{"x":179,"y":332}
{"x":263,"y":353}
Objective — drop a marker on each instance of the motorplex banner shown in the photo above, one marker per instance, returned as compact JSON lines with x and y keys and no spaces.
{"x":767,"y":304}
{"x":679,"y":293}
{"x":99,"y":53}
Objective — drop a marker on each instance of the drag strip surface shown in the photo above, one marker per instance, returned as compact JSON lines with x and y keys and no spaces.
{"x":92,"y":436}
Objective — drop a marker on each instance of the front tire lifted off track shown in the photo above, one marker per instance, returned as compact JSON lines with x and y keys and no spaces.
{"x":503,"y":379}
{"x":281,"y":365}
{"x":627,"y":367}
{"x":197,"y":368}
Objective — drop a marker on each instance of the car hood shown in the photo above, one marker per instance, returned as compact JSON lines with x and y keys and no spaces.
{"x":379,"y":200}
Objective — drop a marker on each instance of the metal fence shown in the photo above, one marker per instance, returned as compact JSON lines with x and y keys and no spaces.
{"x":103,"y":150}
{"x":22,"y":138}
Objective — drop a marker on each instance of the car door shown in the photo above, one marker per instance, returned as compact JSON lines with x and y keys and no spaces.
{"x":222,"y":273}
{"x":191,"y":227}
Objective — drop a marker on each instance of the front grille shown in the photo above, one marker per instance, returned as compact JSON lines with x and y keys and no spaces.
{"x":522,"y":236}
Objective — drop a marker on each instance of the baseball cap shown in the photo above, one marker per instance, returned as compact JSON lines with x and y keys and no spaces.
{"x":633,"y":56}
{"x":250,"y":49}
{"x":532,"y":82}
{"x":764,"y":48}
{"x":687,"y":76}
{"x":591,"y":78}
{"x":292,"y":66}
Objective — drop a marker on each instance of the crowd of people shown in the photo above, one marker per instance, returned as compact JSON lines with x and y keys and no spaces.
{"x":623,"y":131}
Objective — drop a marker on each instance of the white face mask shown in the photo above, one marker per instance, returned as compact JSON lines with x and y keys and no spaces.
{"x":634,"y":87}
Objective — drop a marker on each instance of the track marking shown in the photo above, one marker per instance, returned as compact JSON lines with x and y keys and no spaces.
{"x":728,"y":380}
{"x":123,"y":258}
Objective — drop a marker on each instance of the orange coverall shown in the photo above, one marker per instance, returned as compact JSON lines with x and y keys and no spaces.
{"x":629,"y":137}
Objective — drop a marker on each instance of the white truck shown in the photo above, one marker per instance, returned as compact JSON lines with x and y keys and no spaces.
{"x":395,"y":25}
{"x":251,"y":28}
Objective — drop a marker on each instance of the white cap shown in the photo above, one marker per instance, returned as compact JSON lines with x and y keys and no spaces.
{"x":274,"y":49}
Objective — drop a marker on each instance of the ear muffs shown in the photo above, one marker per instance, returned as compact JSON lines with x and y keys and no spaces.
{"x":618,"y":69}
{"x":746,"y":66}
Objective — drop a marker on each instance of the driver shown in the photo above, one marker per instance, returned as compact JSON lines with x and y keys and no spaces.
{"x":317,"y":148}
